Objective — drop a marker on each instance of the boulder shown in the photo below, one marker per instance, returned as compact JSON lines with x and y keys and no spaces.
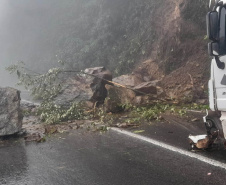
{"x":146,"y":88}
{"x":10,"y":112}
{"x":129,"y":80}
{"x":88,"y":87}
{"x":144,"y":93}
{"x":100,"y":77}
{"x":117,"y":97}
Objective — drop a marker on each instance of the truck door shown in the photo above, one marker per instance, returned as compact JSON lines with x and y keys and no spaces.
{"x":219,"y":75}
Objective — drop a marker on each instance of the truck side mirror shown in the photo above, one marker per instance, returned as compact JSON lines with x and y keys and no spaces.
{"x":213,"y":49}
{"x":212,"y":25}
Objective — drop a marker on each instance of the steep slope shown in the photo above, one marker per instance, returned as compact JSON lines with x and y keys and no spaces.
{"x":180,"y":53}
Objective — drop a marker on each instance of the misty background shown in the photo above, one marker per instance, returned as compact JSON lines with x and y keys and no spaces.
{"x":23,"y":37}
{"x":116,"y":34}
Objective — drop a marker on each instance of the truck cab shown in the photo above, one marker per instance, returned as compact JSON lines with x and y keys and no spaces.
{"x":215,"y":120}
{"x":216,"y":30}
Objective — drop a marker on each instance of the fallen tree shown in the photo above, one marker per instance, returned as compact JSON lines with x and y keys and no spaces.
{"x":64,"y":96}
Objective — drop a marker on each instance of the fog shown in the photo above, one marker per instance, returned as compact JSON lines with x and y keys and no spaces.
{"x":23,"y":27}
{"x":81,"y":33}
{"x":5,"y":79}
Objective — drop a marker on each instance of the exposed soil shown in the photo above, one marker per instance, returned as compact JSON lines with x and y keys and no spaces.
{"x":179,"y":56}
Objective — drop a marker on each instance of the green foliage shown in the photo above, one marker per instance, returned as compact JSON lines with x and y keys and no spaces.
{"x":46,"y":87}
{"x":127,"y":107}
{"x":42,"y":86}
{"x":138,"y":131}
{"x":152,"y":112}
{"x":135,"y":115}
{"x":196,"y":106}
{"x":52,"y":113}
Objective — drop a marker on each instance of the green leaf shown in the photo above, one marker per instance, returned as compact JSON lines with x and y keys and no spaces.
{"x":138,"y":131}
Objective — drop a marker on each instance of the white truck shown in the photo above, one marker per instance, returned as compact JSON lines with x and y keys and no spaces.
{"x":215,"y":120}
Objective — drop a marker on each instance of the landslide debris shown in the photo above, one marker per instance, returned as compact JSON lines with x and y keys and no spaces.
{"x":179,"y":57}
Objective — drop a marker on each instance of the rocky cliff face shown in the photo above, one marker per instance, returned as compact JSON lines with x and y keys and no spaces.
{"x":179,"y":56}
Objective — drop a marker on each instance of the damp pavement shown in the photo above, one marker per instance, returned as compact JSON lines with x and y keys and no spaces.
{"x":81,"y":157}
{"x":93,"y":158}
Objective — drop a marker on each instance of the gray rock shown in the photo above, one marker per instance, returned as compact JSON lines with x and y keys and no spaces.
{"x":88,"y":87}
{"x":101,"y":77}
{"x":147,"y":88}
{"x":118,"y":96}
{"x":141,"y":94}
{"x":128,"y":80}
{"x":10,"y":112}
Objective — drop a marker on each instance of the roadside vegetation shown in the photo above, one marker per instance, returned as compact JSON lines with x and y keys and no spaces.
{"x":136,"y":115}
{"x":46,"y":87}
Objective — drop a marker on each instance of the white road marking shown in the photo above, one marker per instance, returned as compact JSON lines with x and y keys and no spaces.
{"x":172,"y":148}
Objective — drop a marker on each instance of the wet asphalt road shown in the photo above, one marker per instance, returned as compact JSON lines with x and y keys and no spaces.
{"x":111,"y":158}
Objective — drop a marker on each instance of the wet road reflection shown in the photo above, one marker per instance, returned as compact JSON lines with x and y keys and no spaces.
{"x":13,"y":161}
{"x":87,"y":158}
